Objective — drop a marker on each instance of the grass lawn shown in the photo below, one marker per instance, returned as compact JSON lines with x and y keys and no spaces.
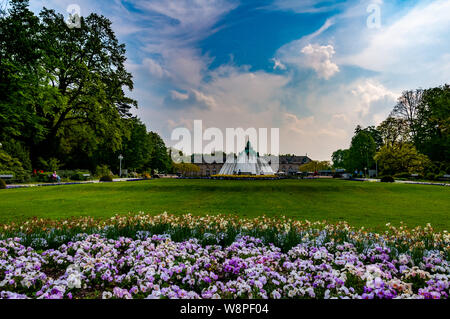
{"x":371,"y":205}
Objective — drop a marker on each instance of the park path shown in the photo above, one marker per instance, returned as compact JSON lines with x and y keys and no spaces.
{"x":402,"y":182}
{"x":71,"y":183}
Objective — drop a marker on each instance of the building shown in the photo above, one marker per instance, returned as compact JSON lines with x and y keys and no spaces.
{"x":288,"y":164}
{"x":248,"y":162}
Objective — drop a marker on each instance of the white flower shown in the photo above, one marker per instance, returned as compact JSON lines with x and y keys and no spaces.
{"x":107,"y":295}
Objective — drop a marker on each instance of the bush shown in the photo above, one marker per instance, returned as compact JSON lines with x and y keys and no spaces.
{"x":102,"y":170}
{"x":78,"y":176}
{"x":387,"y":179}
{"x":52,"y":164}
{"x":430,"y":176}
{"x":44,"y":176}
{"x":2,"y":184}
{"x":13,"y":166}
{"x":403,"y":175}
{"x":106,"y":178}
{"x":146,"y":175}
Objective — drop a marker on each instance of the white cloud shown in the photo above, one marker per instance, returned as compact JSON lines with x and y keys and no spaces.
{"x":369,"y":91}
{"x":175,"y":95}
{"x":305,"y":6}
{"x":319,"y":58}
{"x":411,"y":48}
{"x":154,"y":68}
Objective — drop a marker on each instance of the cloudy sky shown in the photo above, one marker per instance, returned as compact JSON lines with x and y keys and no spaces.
{"x":315,"y":69}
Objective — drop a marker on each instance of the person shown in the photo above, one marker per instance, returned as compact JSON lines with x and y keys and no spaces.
{"x":56,"y":177}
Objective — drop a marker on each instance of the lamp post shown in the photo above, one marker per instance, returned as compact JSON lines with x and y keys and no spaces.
{"x":120,"y":160}
{"x":376,"y":163}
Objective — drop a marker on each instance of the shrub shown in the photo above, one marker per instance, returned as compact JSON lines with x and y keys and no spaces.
{"x":102,"y":170}
{"x":387,"y":179}
{"x":146,"y":175}
{"x":52,"y":164}
{"x":78,"y":176}
{"x":403,"y":175}
{"x":2,"y":184}
{"x":44,"y":176}
{"x":430,"y":176}
{"x":13,"y":166}
{"x":106,"y":178}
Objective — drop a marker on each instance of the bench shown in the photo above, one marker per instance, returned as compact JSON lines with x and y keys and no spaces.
{"x":6,"y":176}
{"x":86,"y":175}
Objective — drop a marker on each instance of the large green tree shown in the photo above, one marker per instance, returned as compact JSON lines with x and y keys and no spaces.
{"x":393,"y":130}
{"x":361,"y":152}
{"x":340,"y":158}
{"x":63,"y":89}
{"x":160,"y":158}
{"x":401,"y":158}
{"x":433,"y":124}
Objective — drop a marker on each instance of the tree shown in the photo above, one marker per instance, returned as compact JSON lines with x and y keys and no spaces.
{"x":137,"y":148}
{"x":401,"y":158}
{"x":9,"y":164}
{"x":407,"y":108}
{"x":340,"y":158}
{"x":361,"y":152}
{"x":393,"y":130}
{"x":185,"y":168}
{"x":62,"y":89}
{"x":433,"y":133}
{"x":21,"y":85}
{"x":372,"y":131}
{"x":159,"y":156}
{"x":315,"y":166}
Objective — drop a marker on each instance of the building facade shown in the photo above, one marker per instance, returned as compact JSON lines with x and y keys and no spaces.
{"x":288,"y":164}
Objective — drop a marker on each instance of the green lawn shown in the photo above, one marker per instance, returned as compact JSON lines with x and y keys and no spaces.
{"x":362,"y":204}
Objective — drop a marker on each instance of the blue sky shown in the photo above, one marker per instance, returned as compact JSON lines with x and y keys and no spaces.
{"x":314,"y":69}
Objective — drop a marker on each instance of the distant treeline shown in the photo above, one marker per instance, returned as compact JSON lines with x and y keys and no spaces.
{"x":415,"y":138}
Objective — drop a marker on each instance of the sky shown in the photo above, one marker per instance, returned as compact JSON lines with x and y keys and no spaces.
{"x":314,"y":69}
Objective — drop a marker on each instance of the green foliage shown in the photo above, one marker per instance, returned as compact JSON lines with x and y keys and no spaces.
{"x":315,"y":166}
{"x":78,"y":176}
{"x":361,"y":152}
{"x":340,"y":158}
{"x":416,"y":133}
{"x":106,"y":178}
{"x":18,"y":150}
{"x":62,"y":90}
{"x":432,"y":125}
{"x":387,"y":179}
{"x":11,"y":164}
{"x":2,"y":184}
{"x":393,"y":130}
{"x":159,"y":156}
{"x":44,"y":177}
{"x":403,"y":175}
{"x":102,"y":170}
{"x":52,"y":164}
{"x":185,"y":168}
{"x":401,"y":157}
{"x":373,"y":132}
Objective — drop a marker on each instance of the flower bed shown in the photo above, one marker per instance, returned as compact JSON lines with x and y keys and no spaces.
{"x":165,"y":256}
